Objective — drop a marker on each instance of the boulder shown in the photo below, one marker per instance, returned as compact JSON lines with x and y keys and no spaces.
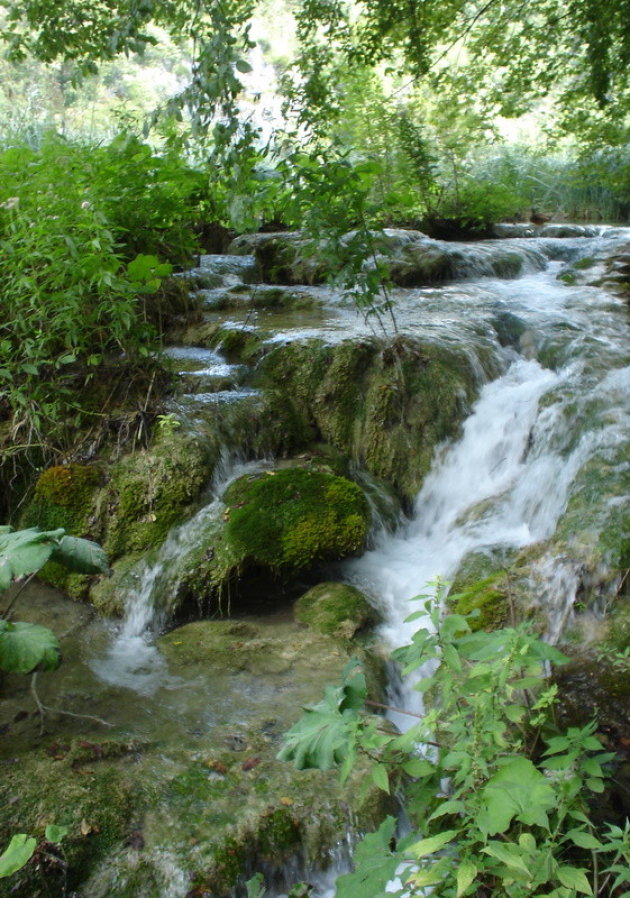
{"x":336,"y":609}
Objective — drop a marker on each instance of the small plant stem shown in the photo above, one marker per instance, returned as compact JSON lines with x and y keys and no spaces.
{"x":44,"y":709}
{"x":6,"y":613}
{"x":373,"y":704}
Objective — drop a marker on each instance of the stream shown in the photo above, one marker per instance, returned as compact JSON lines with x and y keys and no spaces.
{"x":553,"y":372}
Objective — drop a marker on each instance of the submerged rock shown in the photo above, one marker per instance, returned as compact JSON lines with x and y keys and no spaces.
{"x":201,"y":799}
{"x":482,"y":586}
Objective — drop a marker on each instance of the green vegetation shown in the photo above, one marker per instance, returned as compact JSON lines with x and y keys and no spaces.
{"x":515,"y":817}
{"x":26,"y":647}
{"x":80,"y":280}
{"x":316,"y":517}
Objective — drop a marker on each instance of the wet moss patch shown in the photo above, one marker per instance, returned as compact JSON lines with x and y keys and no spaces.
{"x":335,"y":609}
{"x":290,"y":518}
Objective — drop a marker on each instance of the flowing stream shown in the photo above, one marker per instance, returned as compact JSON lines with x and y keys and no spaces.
{"x":554,"y":395}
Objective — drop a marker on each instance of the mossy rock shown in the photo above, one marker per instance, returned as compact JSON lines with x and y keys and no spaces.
{"x":336,"y":609}
{"x":65,"y":496}
{"x":238,"y":344}
{"x":151,"y":490}
{"x":108,"y":594}
{"x":384,"y":404}
{"x":288,"y":519}
{"x":96,"y":802}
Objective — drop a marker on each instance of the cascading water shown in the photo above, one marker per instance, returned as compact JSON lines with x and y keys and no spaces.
{"x":133,"y":660}
{"x":506,"y":483}
{"x":554,"y":367}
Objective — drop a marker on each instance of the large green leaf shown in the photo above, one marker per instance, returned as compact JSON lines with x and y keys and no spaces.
{"x":323,"y":737}
{"x":80,"y":555}
{"x":25,"y":647}
{"x":19,"y":850}
{"x":25,"y":552}
{"x":517,"y":790}
{"x":375,"y":865}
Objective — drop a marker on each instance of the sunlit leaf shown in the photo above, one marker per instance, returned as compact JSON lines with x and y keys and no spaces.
{"x":18,"y":852}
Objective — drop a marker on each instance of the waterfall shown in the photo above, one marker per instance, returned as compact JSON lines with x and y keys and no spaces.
{"x":132,"y":659}
{"x":507,"y":481}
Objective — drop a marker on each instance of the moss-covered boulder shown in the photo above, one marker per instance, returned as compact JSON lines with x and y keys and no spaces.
{"x":288,"y":519}
{"x":336,"y":609}
{"x":482,"y":586}
{"x":152,"y":489}
{"x":65,"y":785}
{"x":285,"y":257}
{"x":385,"y":404}
{"x":246,"y":551}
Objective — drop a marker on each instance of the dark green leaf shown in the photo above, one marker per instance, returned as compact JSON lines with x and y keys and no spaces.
{"x":81,"y":555}
{"x":375,"y":865}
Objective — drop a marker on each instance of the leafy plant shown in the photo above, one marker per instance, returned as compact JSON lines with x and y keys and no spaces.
{"x":21,"y":848}
{"x":26,"y":647}
{"x":498,"y":801}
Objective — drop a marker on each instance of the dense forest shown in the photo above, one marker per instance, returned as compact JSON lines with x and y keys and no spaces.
{"x":329,"y":140}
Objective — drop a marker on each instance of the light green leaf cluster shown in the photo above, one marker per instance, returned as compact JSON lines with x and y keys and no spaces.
{"x":488,"y":809}
{"x":26,"y":647}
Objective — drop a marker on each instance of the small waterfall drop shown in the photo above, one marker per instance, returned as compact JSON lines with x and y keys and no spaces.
{"x":507,"y":481}
{"x":132,"y":660}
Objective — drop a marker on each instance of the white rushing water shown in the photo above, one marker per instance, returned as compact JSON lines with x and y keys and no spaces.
{"x":506,"y":482}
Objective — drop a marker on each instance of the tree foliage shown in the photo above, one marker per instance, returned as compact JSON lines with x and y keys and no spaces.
{"x":507,"y":51}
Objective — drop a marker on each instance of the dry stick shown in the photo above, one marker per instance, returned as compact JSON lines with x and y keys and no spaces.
{"x":42,"y":708}
{"x":402,"y":711}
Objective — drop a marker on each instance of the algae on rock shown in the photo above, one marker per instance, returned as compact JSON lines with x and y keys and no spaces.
{"x":336,"y":609}
{"x":386,"y":405}
{"x":289,"y":519}
{"x":151,"y":490}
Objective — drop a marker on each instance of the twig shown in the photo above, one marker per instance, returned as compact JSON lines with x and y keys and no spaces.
{"x":402,"y":711}
{"x":42,"y":708}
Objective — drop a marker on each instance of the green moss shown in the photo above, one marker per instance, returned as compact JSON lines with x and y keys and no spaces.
{"x":481,"y":586}
{"x":65,"y":496}
{"x":484,"y":598}
{"x":151,"y":490}
{"x":96,"y":803}
{"x":290,"y":518}
{"x":278,"y":835}
{"x":335,"y":609}
{"x":586,"y":262}
{"x":385,"y":405}
{"x":238,"y":344}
